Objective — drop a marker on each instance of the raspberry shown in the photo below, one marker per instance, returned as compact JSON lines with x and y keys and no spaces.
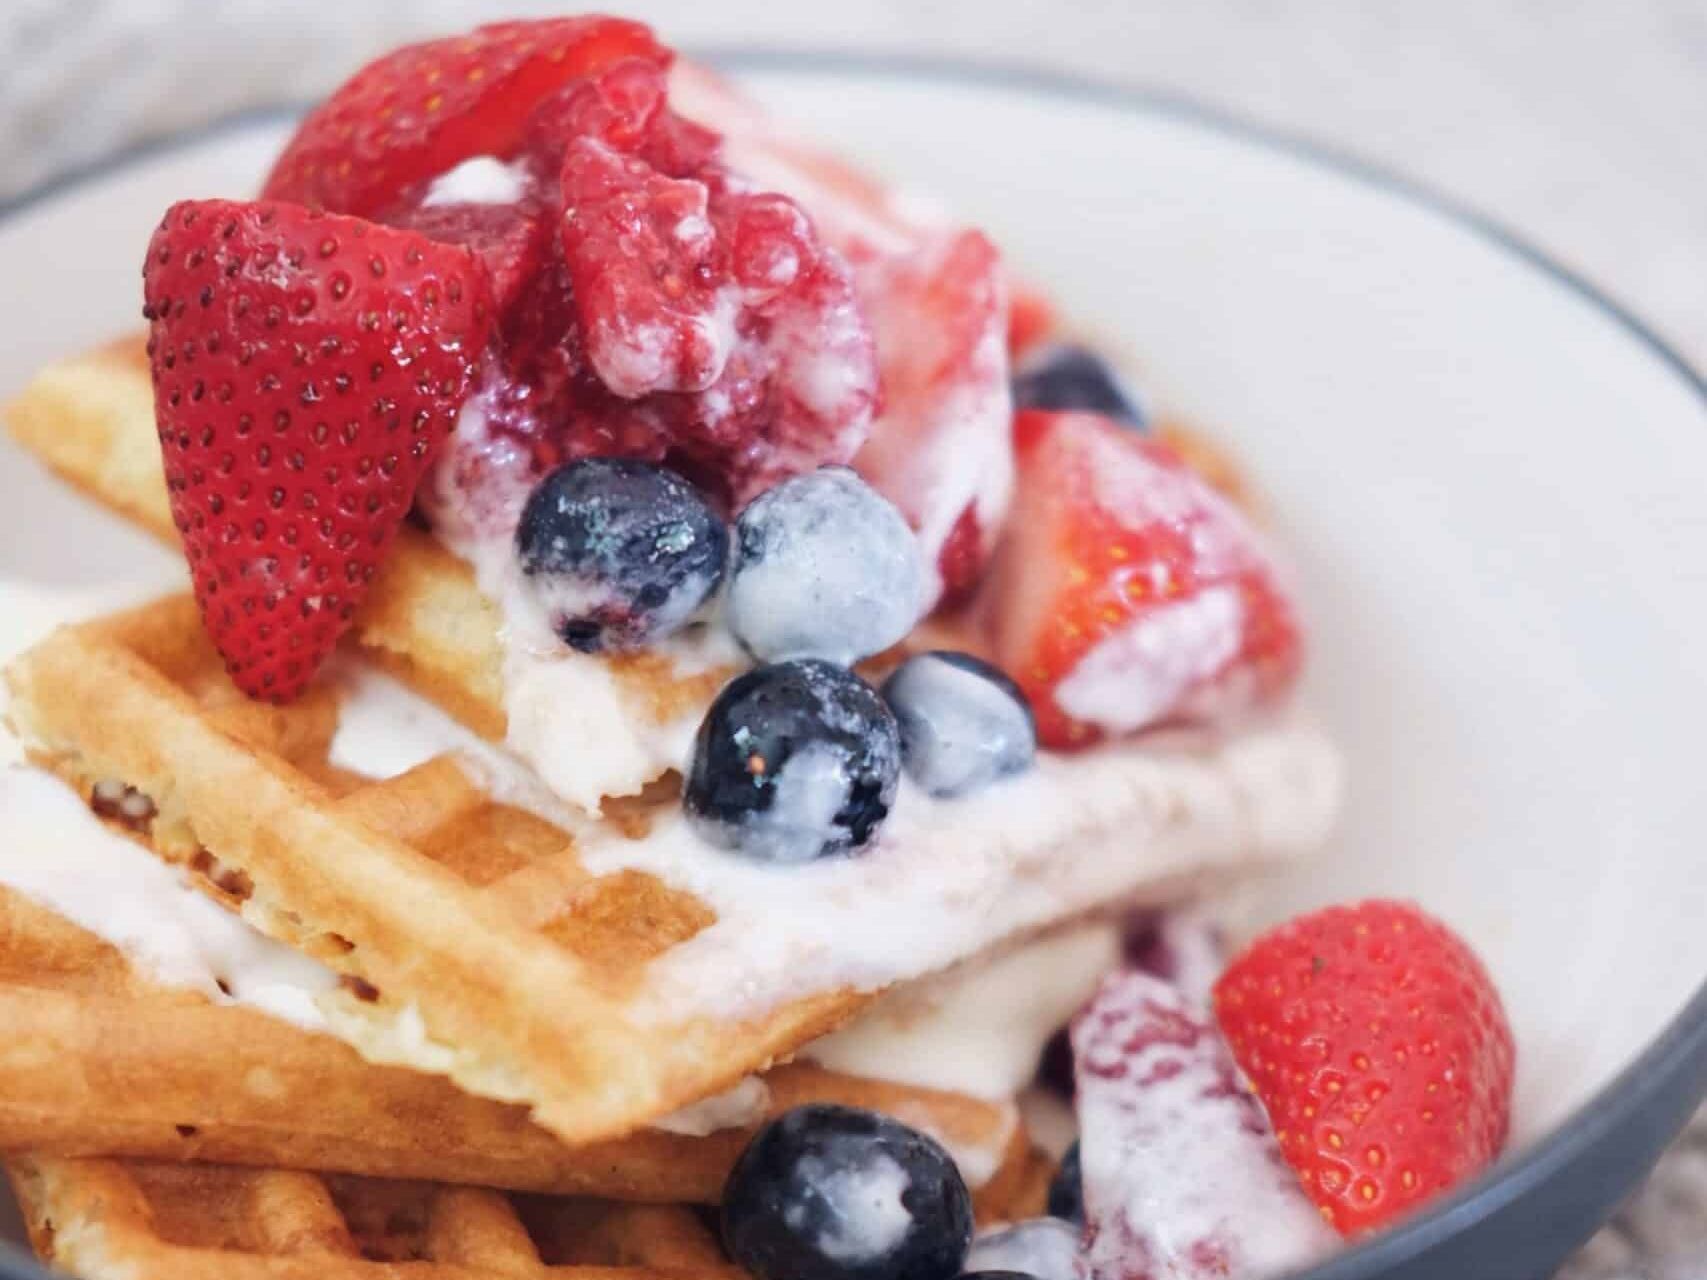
{"x":678,"y":316}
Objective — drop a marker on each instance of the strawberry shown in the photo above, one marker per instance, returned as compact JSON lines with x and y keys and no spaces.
{"x":942,"y":450}
{"x":1181,"y":1176}
{"x":512,"y":240}
{"x":1377,"y":1042}
{"x":306,"y":367}
{"x":1031,"y":319}
{"x":1128,"y":593}
{"x":418,"y":111}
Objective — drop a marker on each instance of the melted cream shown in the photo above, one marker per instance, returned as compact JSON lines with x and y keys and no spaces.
{"x":981,"y":1027}
{"x":948,"y":879}
{"x":740,"y":1107}
{"x":587,"y":734}
{"x":479,"y":180}
{"x":58,"y":854}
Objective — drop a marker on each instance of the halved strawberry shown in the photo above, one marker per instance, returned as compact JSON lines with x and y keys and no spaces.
{"x":420,"y":110}
{"x":1377,"y":1041}
{"x":512,"y":240}
{"x":306,"y":367}
{"x":1128,"y":593}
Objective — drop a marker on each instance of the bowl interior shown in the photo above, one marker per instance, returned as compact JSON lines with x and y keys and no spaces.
{"x":1493,"y":493}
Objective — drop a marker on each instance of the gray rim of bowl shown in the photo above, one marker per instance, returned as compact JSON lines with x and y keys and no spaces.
{"x":1670,"y":1075}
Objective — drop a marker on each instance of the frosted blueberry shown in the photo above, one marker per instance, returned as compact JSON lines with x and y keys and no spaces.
{"x":1065,"y":377}
{"x":963,"y":722}
{"x":794,"y":761}
{"x":837,"y":1193}
{"x":824,"y":568}
{"x":619,"y":552}
{"x":1046,"y":1248}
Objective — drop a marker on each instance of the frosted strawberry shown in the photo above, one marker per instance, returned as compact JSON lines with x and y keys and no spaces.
{"x":940,"y":449}
{"x":1128,"y":593}
{"x":1380,"y":1047}
{"x":680,"y":314}
{"x":307,"y":367}
{"x":421,"y":110}
{"x":1182,"y":1177}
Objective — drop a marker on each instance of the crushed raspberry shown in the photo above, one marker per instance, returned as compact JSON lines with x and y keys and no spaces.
{"x":671,"y":313}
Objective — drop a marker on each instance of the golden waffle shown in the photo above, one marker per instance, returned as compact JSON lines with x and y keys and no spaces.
{"x":106,"y":1220}
{"x":423,"y":891}
{"x":471,"y":939}
{"x":443,"y":908}
{"x":101,"y":1061}
{"x":91,"y":419}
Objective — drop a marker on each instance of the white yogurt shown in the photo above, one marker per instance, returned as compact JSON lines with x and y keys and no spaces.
{"x":60,"y":856}
{"x":479,"y":180}
{"x":947,"y":879}
{"x":981,"y":1027}
{"x":740,"y":1107}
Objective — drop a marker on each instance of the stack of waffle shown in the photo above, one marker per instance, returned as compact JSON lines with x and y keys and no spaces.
{"x":477,"y":1081}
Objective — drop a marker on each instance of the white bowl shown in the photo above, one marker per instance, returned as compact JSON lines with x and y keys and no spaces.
{"x":1494,"y":480}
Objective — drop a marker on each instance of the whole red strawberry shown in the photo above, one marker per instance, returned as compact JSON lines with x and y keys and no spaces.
{"x":306,"y":367}
{"x":1378,"y":1043}
{"x":420,"y":110}
{"x":1128,"y":593}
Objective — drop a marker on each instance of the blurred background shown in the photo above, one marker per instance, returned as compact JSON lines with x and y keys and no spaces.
{"x":1577,"y":123}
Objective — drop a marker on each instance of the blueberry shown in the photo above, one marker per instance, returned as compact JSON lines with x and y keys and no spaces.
{"x":963,"y":722}
{"x":836,"y":1193}
{"x":1066,"y":1191}
{"x":1069,"y":377}
{"x":619,"y":552}
{"x":795,"y":761}
{"x":1045,"y":1248}
{"x":824,"y":568}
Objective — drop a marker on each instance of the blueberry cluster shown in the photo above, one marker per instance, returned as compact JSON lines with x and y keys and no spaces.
{"x":799,"y":758}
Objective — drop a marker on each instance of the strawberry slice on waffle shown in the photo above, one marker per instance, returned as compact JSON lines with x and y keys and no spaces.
{"x":307,"y":369}
{"x":1128,"y":594}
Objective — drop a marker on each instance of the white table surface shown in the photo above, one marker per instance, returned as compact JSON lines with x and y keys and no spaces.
{"x":1578,"y":123}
